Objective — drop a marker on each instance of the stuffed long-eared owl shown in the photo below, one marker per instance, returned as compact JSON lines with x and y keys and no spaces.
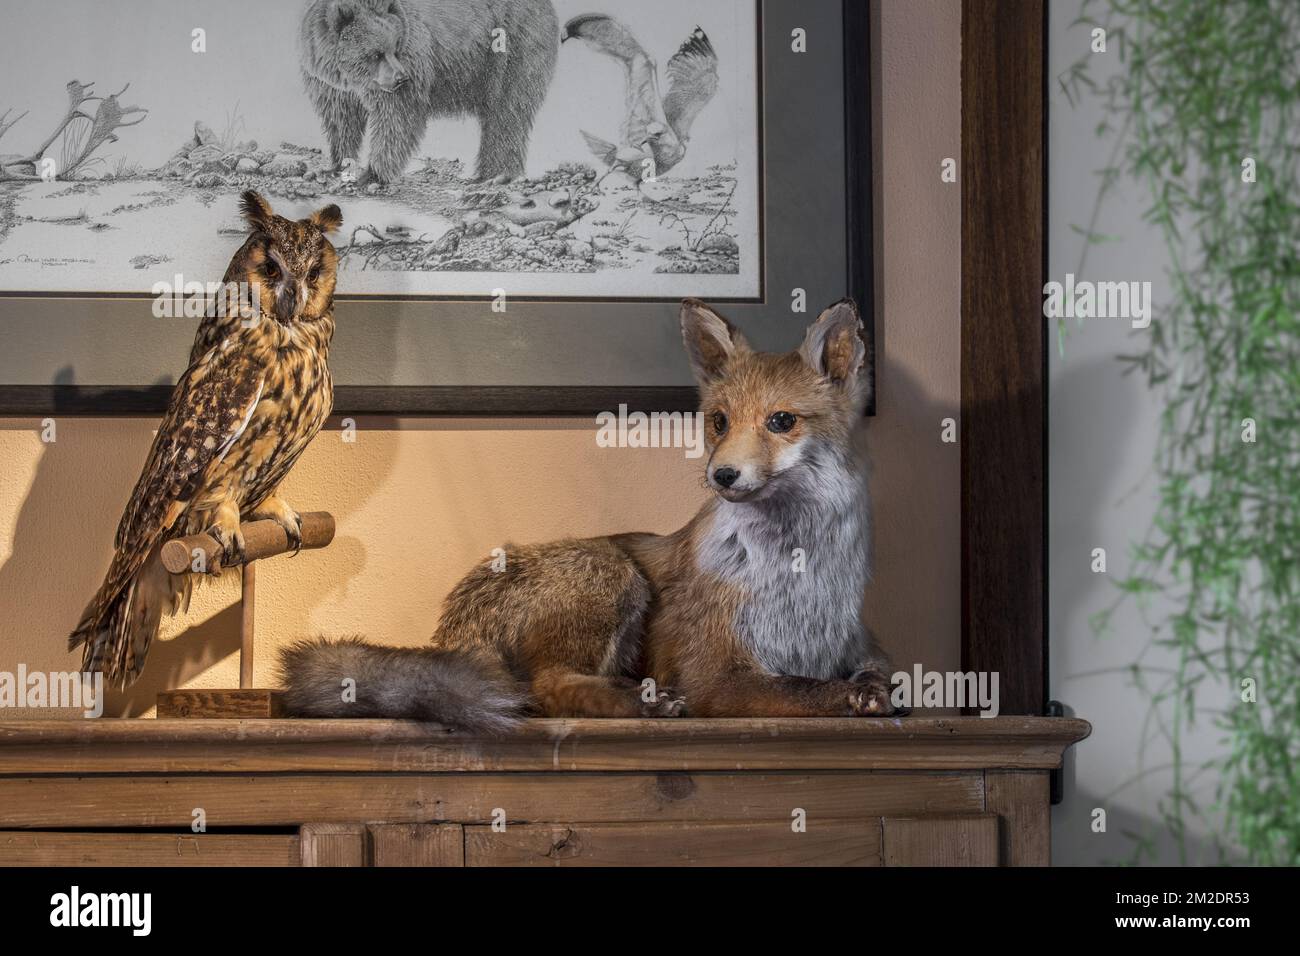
{"x":256,"y":392}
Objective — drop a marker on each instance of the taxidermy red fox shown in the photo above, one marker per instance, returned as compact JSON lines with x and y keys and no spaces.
{"x":751,"y":609}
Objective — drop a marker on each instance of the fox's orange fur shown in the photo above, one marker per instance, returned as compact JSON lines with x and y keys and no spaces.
{"x":753,"y":608}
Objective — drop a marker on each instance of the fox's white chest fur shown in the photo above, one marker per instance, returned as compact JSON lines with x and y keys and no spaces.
{"x":802,"y":557}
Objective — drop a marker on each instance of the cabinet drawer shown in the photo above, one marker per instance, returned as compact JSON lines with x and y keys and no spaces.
{"x":36,"y":848}
{"x":827,"y":843}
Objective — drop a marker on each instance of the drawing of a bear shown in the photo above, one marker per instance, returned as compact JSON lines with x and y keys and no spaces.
{"x":393,"y":64}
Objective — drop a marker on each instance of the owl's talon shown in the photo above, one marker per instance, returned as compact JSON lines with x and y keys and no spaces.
{"x":231,"y":543}
{"x":275,"y":509}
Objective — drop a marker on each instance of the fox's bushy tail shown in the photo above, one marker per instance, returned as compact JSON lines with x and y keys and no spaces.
{"x":421,"y":683}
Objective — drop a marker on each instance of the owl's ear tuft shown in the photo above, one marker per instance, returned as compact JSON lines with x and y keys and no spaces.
{"x":255,"y":209}
{"x":327,"y":219}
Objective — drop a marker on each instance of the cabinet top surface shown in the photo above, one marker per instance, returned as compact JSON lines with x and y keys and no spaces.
{"x":281,"y":745}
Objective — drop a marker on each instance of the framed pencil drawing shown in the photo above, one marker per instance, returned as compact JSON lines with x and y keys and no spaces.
{"x":528,"y":189}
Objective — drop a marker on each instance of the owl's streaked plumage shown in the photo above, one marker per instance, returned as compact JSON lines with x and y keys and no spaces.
{"x":255,"y":394}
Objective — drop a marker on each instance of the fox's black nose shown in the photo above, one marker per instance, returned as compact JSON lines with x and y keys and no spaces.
{"x":725,"y":476}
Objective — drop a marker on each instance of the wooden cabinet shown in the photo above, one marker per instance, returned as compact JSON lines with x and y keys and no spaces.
{"x":948,"y":792}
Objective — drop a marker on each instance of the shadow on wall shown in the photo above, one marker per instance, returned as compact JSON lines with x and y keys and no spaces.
{"x":1095,"y":430}
{"x":172,"y":663}
{"x":916,"y":525}
{"x":1103,"y":431}
{"x":63,"y":539}
{"x":1078,"y":845}
{"x":914,"y":473}
{"x":62,"y":544}
{"x":62,"y":536}
{"x":1074,"y":528}
{"x":198,"y":648}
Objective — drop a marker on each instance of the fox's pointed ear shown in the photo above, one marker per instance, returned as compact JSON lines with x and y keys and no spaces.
{"x":833,"y":346}
{"x":255,"y":209}
{"x":327,"y":220}
{"x":711,"y":341}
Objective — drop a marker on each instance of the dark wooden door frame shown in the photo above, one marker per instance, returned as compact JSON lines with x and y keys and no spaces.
{"x":1004,"y":347}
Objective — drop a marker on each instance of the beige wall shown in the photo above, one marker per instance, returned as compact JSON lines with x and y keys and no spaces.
{"x":418,"y":500}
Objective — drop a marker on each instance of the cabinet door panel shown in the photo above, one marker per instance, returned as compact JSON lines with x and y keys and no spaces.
{"x":417,"y":844}
{"x":775,"y":843}
{"x":941,"y":841}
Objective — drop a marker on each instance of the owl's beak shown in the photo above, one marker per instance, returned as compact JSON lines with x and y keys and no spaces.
{"x":288,"y":299}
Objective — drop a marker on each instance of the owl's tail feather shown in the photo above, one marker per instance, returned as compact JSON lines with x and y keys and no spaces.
{"x":122,"y":620}
{"x":351,"y":678}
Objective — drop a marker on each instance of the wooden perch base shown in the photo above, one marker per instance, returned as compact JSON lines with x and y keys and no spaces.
{"x":262,"y":539}
{"x":240,"y":704}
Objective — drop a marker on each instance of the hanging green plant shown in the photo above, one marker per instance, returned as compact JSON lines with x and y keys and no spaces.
{"x":1206,"y":115}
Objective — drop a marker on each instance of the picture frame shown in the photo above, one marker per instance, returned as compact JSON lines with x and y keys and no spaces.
{"x":104,"y":354}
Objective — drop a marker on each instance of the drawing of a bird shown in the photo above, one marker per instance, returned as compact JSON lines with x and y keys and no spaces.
{"x":255,"y":394}
{"x":655,"y":128}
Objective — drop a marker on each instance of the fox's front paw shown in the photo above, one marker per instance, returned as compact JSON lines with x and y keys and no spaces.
{"x":870,"y":695}
{"x":666,"y":704}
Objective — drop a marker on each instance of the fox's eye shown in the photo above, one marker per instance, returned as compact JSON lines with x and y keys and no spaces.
{"x":719,"y":422}
{"x":780,"y":422}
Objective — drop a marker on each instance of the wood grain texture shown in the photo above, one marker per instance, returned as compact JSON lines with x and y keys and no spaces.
{"x":30,"y":848}
{"x":1023,"y":806}
{"x":230,"y":800}
{"x":941,"y":841}
{"x":333,"y":844}
{"x":1003,"y":348}
{"x":413,"y":844}
{"x":232,"y":746}
{"x":234,"y":704}
{"x":836,"y":843}
{"x":262,"y":539}
{"x":858,"y":202}
{"x":248,"y":622}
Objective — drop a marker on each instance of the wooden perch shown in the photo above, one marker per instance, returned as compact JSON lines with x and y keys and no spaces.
{"x":262,"y":539}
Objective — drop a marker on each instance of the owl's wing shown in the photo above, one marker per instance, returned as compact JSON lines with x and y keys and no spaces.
{"x":209,"y":409}
{"x":692,"y":82}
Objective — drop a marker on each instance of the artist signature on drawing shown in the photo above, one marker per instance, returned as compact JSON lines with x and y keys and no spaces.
{"x":46,"y":261}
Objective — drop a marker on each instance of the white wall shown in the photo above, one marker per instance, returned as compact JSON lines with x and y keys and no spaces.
{"x":1103,"y":429}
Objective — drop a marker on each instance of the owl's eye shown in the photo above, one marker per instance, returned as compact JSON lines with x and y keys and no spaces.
{"x":780,"y":422}
{"x":314,"y":274}
{"x":270,"y":269}
{"x":720,"y":422}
